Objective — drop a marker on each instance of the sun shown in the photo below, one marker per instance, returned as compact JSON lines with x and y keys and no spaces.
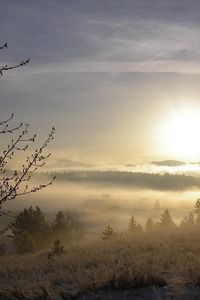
{"x":180,"y":135}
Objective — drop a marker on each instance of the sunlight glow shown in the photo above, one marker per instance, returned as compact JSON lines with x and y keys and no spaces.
{"x":181,"y":135}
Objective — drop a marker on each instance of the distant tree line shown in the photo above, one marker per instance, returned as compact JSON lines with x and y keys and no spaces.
{"x":31,"y":231}
{"x":156,"y":181}
{"x":190,"y":221}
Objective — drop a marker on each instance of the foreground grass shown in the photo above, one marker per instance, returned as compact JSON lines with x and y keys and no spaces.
{"x":123,"y":263}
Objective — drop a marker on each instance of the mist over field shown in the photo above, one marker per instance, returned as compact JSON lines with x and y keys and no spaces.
{"x":110,"y":196}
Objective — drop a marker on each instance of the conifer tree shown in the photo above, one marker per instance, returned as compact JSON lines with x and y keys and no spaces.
{"x":58,"y":248}
{"x":188,"y":220}
{"x":31,"y":221}
{"x":24,"y":243}
{"x":133,"y":226}
{"x":30,"y":228}
{"x":108,"y":233}
{"x":60,"y":222}
{"x":149,"y":224}
{"x":166,"y":221}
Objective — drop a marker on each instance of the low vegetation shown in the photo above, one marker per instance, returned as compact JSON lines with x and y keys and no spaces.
{"x":138,"y":257}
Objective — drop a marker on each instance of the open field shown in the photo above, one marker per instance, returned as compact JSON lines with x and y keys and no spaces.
{"x":157,"y":264}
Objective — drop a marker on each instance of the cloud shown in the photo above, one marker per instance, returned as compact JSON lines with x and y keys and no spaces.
{"x":96,"y":66}
{"x":67,"y":163}
{"x":148,"y":66}
{"x":169,"y":163}
{"x":100,"y":32}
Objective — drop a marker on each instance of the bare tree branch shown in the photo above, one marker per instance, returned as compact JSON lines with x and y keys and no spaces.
{"x":17,"y":183}
{"x":7,"y":68}
{"x":4,"y":46}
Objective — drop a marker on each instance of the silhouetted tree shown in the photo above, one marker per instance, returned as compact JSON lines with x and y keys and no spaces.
{"x":166,"y":221}
{"x":108,"y":233}
{"x":58,"y":248}
{"x":30,"y":224}
{"x":188,"y":220}
{"x":60,"y":222}
{"x":73,"y":223}
{"x":149,"y":224}
{"x":30,"y":220}
{"x":67,"y":226}
{"x":59,"y":226}
{"x":133,"y":226}
{"x":24,"y":243}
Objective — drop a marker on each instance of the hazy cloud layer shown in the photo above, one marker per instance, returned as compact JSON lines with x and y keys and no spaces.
{"x":96,"y":68}
{"x":169,"y":163}
{"x":101,"y":31}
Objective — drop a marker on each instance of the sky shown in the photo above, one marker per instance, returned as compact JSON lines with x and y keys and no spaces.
{"x":109,"y":75}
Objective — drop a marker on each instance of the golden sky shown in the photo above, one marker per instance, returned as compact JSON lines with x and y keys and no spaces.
{"x":118,"y":79}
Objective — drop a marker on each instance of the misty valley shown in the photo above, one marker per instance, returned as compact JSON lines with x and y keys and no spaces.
{"x":103,"y":231}
{"x":99,"y":150}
